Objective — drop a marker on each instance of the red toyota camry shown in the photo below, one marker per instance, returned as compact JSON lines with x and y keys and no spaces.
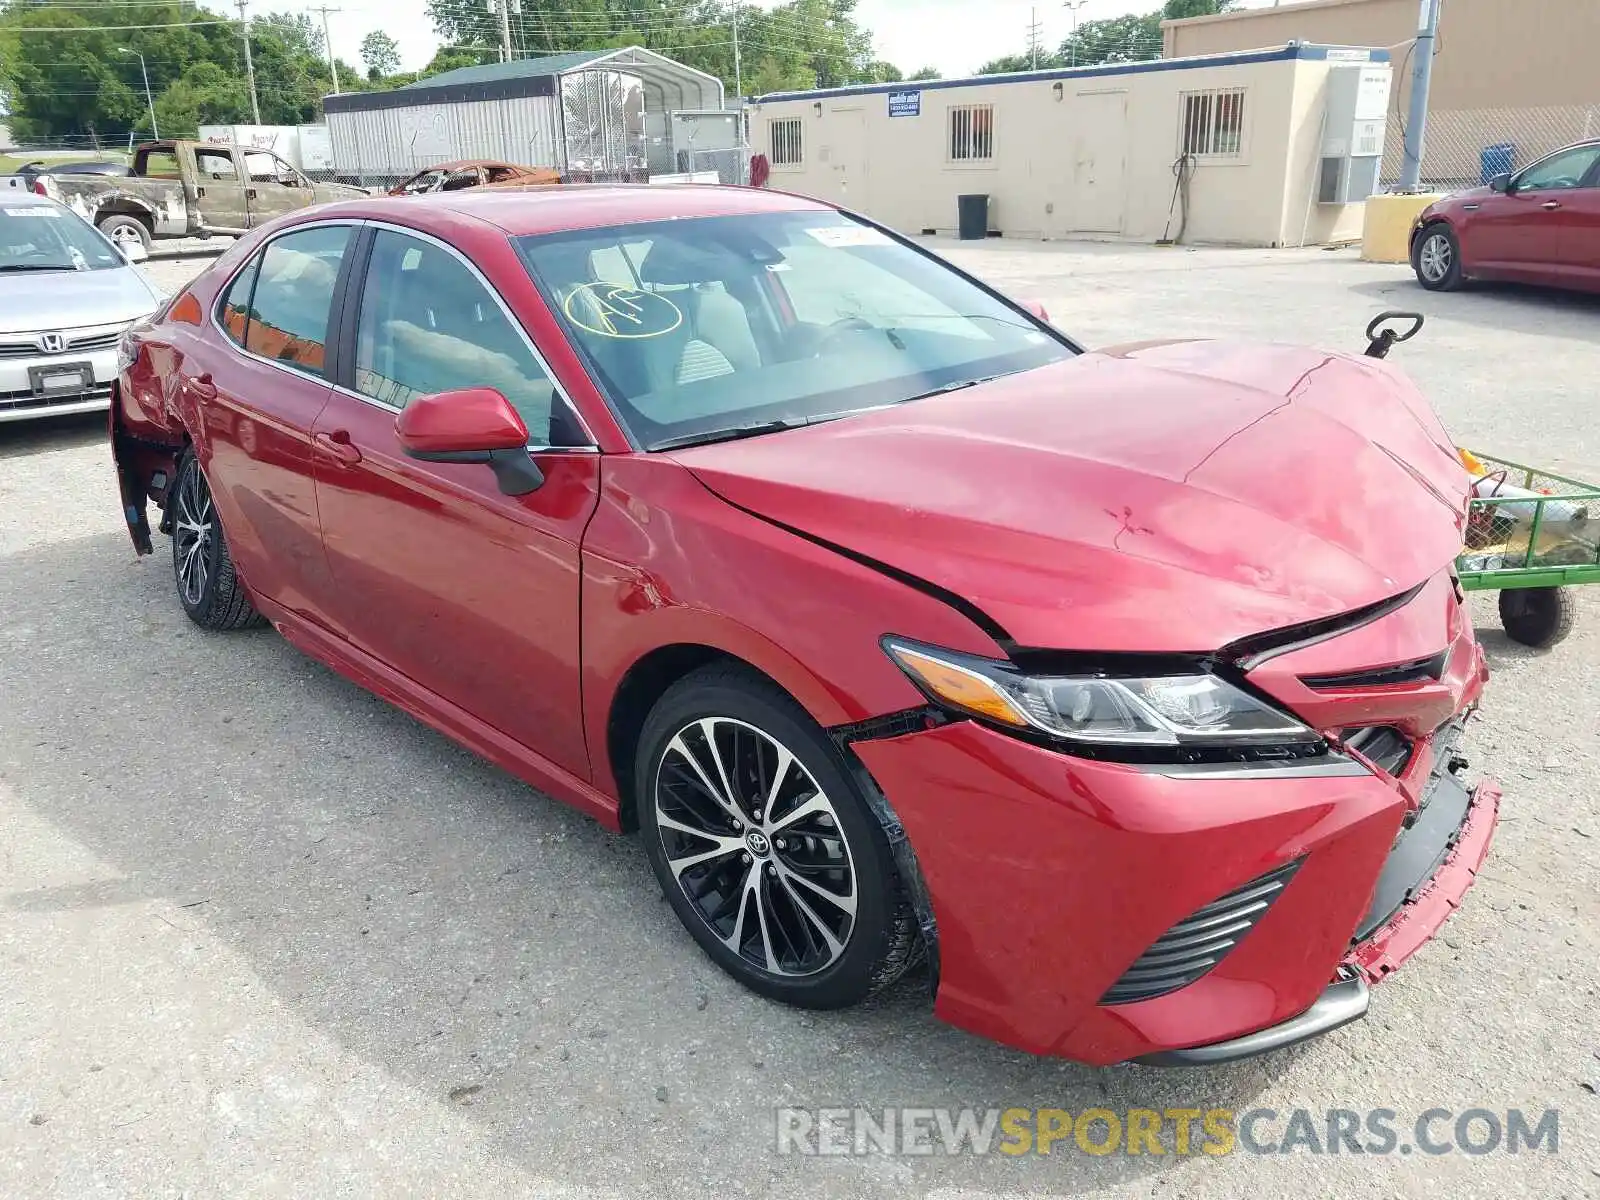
{"x":1124,"y":686}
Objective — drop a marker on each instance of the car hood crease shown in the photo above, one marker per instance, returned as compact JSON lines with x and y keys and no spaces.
{"x":1172,"y":496}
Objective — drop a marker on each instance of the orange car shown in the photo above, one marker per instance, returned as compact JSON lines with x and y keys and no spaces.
{"x":452,"y":176}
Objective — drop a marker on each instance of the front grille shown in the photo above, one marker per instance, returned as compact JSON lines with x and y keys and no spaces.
{"x":83,"y":343}
{"x":1385,"y":745}
{"x":12,"y":401}
{"x":1200,"y":941}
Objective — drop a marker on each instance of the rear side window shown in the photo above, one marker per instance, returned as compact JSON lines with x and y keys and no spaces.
{"x":280,"y":303}
{"x":235,"y":311}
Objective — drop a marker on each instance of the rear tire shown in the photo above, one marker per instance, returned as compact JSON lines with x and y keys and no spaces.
{"x":764,"y":845}
{"x":124,"y":230}
{"x":202,"y":568}
{"x":1436,"y":258}
{"x":1537,"y":617}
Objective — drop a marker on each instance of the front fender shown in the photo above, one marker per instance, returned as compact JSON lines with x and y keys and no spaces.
{"x":666,"y":562}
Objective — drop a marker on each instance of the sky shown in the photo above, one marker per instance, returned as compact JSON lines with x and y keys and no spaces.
{"x":955,"y":36}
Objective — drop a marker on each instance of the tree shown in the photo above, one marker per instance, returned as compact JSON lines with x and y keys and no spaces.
{"x":1130,"y":38}
{"x":1008,"y":63}
{"x":380,"y":53}
{"x":924,"y":73}
{"x":1176,"y":10}
{"x":886,"y":72}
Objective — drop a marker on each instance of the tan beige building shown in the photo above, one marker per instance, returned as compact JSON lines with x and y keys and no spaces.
{"x":1523,"y":74}
{"x":1091,"y":151}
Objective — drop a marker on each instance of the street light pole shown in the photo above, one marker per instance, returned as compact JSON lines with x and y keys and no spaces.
{"x":1421,"y":79}
{"x":1073,"y":6}
{"x":155,"y":130}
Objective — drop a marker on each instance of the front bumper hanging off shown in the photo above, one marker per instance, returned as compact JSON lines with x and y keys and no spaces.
{"x":1434,"y":860}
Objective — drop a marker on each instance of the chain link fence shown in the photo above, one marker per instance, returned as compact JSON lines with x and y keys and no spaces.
{"x":1469,"y":146}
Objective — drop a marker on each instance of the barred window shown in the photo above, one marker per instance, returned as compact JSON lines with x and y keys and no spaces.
{"x":786,"y":147}
{"x":1213,"y":123}
{"x":972,"y":133}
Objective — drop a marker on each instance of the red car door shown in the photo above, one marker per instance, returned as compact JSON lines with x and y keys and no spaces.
{"x":258,"y":398}
{"x":1529,"y":231}
{"x":1569,"y":248}
{"x":468,"y":592}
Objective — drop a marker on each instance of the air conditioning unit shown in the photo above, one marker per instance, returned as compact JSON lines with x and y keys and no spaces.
{"x":1352,"y":142}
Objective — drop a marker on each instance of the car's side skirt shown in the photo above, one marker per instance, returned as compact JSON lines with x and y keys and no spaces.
{"x":433,"y":710}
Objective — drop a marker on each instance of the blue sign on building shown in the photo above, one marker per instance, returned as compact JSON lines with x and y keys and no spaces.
{"x":905,"y":104}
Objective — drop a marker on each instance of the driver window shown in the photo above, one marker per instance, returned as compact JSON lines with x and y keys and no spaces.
{"x":428,"y":324}
{"x":1562,"y":171}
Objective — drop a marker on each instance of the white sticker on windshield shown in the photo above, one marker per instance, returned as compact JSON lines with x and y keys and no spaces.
{"x":850,"y":235}
{"x":32,"y":210}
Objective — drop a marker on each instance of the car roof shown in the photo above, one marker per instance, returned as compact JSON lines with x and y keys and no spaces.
{"x":552,"y":209}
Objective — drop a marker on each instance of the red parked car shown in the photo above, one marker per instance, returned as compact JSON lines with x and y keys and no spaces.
{"x":1124,"y":686}
{"x":1539,"y":225}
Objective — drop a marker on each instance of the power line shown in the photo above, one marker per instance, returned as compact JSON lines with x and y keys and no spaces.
{"x":108,"y":28}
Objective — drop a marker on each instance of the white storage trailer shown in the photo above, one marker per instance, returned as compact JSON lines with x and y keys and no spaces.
{"x":582,"y":113}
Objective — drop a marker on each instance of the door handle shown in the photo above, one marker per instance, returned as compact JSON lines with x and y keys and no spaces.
{"x":1550,"y":205}
{"x":337,"y":446}
{"x":202,"y":386}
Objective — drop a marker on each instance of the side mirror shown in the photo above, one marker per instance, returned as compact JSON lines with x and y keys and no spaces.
{"x":132,"y":252}
{"x":1501,"y":182}
{"x":471,"y":425}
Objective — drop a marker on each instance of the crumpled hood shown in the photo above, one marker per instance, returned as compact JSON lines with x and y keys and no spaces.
{"x":38,"y":301}
{"x":1170,"y":496}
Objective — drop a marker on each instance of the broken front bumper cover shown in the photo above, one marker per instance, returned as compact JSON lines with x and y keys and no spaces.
{"x":1448,"y":842}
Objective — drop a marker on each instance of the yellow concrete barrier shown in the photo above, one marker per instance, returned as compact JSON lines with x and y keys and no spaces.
{"x":1386,"y":228}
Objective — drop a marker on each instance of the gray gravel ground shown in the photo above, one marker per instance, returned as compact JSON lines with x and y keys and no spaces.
{"x":262,"y":935}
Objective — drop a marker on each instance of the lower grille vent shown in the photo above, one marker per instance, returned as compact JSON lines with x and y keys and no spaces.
{"x":1383,"y":744}
{"x":1200,"y":941}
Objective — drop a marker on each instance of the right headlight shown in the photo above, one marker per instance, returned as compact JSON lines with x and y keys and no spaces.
{"x":1190,"y":710}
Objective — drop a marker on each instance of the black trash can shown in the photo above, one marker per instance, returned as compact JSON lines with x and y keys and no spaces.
{"x":972,"y":220}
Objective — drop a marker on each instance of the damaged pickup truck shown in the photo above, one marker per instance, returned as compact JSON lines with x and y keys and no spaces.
{"x":190,"y":189}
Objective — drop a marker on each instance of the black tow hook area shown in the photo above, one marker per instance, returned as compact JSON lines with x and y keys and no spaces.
{"x":1381,"y":338}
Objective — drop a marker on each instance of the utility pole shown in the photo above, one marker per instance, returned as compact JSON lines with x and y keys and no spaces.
{"x":249,"y":63}
{"x":505,"y":28}
{"x":1034,"y":30}
{"x":1421,"y":79}
{"x":738,"y":73}
{"x":155,"y":130}
{"x":327,"y":41}
{"x":1073,"y":6}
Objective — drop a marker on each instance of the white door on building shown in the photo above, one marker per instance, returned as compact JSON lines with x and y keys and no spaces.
{"x":846,"y":156}
{"x":1099,"y":156}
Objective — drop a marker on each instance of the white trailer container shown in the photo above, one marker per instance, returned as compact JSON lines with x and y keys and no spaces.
{"x":282,"y":140}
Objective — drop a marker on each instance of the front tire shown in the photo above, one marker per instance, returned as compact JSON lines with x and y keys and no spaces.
{"x":125,"y":230}
{"x":208,"y":586}
{"x":1436,"y":258}
{"x":764,"y":845}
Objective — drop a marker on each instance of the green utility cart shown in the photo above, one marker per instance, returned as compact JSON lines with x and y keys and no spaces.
{"x":1531,"y":534}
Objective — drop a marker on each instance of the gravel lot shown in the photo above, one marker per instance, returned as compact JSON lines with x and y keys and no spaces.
{"x":262,"y":935}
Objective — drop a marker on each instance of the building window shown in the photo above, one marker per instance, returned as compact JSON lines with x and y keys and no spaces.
{"x":1213,"y":123}
{"x":785,"y":136}
{"x":972,"y":133}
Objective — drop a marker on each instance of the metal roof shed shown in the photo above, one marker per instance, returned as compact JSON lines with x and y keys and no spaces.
{"x":580,"y":112}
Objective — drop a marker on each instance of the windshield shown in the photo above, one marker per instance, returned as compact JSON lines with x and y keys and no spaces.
{"x":48,"y":237}
{"x":717,"y":326}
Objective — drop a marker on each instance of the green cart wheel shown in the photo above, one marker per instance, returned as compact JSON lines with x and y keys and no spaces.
{"x":1537,"y":616}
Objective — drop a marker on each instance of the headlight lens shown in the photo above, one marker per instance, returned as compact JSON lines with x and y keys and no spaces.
{"x":127,"y":352}
{"x":1159,"y":710}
